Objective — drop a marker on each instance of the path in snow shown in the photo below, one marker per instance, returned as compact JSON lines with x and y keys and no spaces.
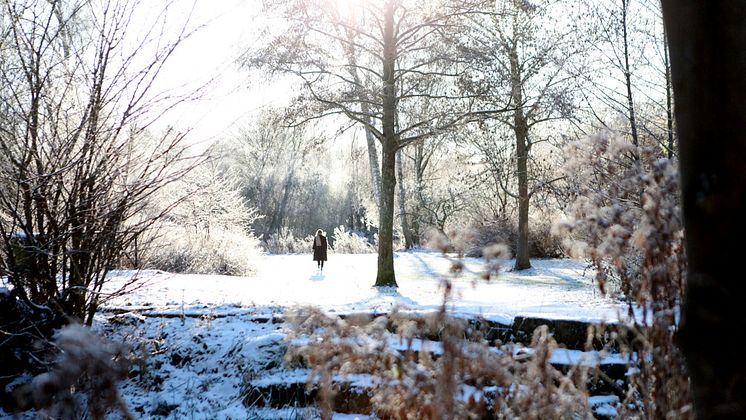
{"x":552,"y":289}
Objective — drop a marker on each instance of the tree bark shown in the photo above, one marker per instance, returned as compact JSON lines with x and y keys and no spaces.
{"x":385,"y":276}
{"x":522,"y":258}
{"x":669,"y":101}
{"x":520,"y":129}
{"x":403,"y":217}
{"x":375,"y":170}
{"x":707,"y":42}
{"x":389,"y":146}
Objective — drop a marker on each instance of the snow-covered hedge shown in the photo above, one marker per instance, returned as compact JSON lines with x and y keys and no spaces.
{"x":285,"y":242}
{"x":348,"y":242}
{"x":179,"y":249}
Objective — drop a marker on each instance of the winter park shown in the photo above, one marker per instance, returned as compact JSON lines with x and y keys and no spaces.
{"x":372,"y":209}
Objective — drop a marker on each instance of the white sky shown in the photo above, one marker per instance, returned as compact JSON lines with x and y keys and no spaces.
{"x":229,"y":27}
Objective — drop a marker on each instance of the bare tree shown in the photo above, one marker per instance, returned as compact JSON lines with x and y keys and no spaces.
{"x":522,"y":53}
{"x":77,"y":160}
{"x":708,"y":61}
{"x":404,"y":216}
{"x":278,"y":168}
{"x":437,"y":190}
{"x":629,"y":73}
{"x":400,"y":45}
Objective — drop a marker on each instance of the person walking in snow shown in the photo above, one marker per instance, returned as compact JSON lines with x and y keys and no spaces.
{"x":319,"y":249}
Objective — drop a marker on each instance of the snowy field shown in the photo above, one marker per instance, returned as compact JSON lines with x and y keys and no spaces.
{"x":205,"y":363}
{"x":198,"y":366}
{"x":551,"y":289}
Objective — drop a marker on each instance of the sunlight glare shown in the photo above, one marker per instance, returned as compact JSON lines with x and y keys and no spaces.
{"x":349,"y":9}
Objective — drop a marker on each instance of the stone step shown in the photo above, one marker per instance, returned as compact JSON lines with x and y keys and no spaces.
{"x":352,"y":394}
{"x":608,"y":371}
{"x":200,"y":313}
{"x":572,"y":334}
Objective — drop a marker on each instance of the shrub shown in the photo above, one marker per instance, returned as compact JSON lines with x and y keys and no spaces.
{"x":24,"y":345}
{"x":285,"y":242}
{"x":208,"y":232}
{"x":497,"y":231}
{"x":179,"y":249}
{"x":543,"y":242}
{"x":85,"y":363}
{"x":348,"y":242}
{"x":630,"y":227}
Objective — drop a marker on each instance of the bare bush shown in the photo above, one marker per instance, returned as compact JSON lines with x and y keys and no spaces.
{"x":627,"y":220}
{"x":348,"y":242}
{"x":285,"y":242}
{"x":87,"y":365}
{"x":77,"y":158}
{"x":179,"y":249}
{"x":543,"y":242}
{"x":208,"y":232}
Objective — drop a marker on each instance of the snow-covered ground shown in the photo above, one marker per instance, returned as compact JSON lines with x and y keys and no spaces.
{"x":551,"y":289}
{"x":198,"y":365}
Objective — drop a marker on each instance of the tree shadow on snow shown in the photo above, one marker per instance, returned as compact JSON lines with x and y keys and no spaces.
{"x":427,"y":267}
{"x":388,"y":297}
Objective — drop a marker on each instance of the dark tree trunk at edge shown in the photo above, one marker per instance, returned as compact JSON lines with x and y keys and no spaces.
{"x":707,"y":43}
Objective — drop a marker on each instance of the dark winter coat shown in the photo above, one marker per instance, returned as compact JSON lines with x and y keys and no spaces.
{"x":319,"y":252}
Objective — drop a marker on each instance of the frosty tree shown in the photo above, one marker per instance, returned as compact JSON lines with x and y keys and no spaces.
{"x":77,"y":160}
{"x":521,"y":53}
{"x":628,"y":74}
{"x":370,"y":62}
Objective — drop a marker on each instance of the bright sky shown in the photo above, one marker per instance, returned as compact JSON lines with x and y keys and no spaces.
{"x":209,"y":56}
{"x":233,"y":95}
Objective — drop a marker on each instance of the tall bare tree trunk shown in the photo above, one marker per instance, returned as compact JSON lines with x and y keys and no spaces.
{"x":370,"y":138}
{"x":375,"y":169}
{"x":669,"y":100}
{"x":420,"y":165}
{"x":390,"y":145}
{"x":522,"y":258}
{"x":522,"y":146}
{"x":282,"y":211}
{"x":707,"y":41}
{"x":403,"y":216}
{"x":628,"y":80}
